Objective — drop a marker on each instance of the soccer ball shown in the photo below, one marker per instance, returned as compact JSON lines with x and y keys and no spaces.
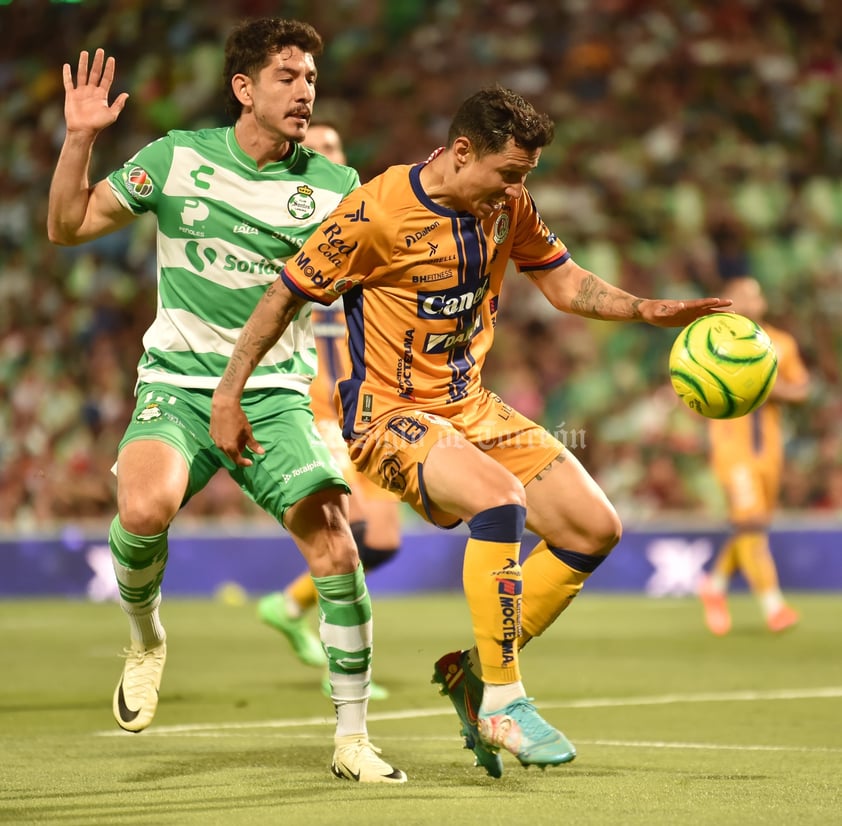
{"x":723,"y":365}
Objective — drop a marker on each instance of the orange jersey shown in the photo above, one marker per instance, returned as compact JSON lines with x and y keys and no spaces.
{"x":758,"y":435}
{"x":421,"y":286}
{"x":332,"y":354}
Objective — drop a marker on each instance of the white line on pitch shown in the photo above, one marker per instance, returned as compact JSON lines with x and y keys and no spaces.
{"x":662,"y":744}
{"x":593,"y":702}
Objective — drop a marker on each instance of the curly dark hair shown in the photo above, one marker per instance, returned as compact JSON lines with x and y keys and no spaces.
{"x":250,"y":44}
{"x":490,"y":117}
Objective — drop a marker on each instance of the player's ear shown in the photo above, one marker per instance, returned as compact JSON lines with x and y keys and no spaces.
{"x":241,"y":84}
{"x":463,"y":150}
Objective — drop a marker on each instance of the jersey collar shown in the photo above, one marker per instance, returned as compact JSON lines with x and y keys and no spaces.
{"x":246,"y":160}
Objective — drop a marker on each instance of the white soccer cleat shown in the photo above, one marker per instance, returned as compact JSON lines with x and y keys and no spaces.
{"x":356,"y":759}
{"x":136,"y":696}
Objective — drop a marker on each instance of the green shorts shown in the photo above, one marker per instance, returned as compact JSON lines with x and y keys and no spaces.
{"x":296,"y":463}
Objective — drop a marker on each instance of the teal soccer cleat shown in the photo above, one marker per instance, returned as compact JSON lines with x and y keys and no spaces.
{"x":464,"y":689}
{"x":519,"y":729}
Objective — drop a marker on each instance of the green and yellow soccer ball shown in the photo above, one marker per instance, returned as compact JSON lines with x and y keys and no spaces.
{"x":723,"y":365}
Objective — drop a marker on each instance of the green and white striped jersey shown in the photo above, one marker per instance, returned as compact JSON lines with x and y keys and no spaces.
{"x":225,"y":230}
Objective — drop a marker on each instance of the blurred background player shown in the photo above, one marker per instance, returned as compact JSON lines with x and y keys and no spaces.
{"x":747,"y":455}
{"x":375,"y":513}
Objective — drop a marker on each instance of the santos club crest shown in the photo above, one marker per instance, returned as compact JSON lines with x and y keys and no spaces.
{"x":301,"y":205}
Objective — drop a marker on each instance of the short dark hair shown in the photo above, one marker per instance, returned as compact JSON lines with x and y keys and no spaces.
{"x":490,"y":117}
{"x":250,"y":44}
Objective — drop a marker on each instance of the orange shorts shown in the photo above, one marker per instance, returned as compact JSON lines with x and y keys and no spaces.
{"x":751,"y":489}
{"x":392,"y":452}
{"x":331,"y":433}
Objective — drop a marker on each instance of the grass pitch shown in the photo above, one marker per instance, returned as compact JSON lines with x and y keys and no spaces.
{"x":672,"y":725}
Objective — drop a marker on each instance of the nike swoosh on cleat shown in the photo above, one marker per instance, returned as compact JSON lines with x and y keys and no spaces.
{"x":341,"y":770}
{"x":126,"y":714}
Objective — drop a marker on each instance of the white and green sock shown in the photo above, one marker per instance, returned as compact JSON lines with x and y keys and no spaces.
{"x":345,"y":629}
{"x":139,"y":563}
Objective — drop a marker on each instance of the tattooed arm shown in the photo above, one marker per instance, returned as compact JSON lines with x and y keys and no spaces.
{"x":229,"y":427}
{"x":572,"y":289}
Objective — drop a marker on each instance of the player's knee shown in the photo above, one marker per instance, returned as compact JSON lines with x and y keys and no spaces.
{"x":329,"y":553}
{"x":597,"y":535}
{"x":607,"y":532}
{"x":145,"y":516}
{"x":510,"y":493}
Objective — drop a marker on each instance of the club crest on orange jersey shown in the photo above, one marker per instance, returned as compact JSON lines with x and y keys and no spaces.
{"x":501,"y":227}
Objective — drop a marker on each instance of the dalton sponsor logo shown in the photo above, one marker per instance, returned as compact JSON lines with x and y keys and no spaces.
{"x":417,"y":236}
{"x":445,"y":342}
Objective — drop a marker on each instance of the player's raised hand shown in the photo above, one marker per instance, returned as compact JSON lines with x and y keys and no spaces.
{"x":671,"y":313}
{"x":86,"y":106}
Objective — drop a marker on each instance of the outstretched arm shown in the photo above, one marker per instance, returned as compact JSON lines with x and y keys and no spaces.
{"x":78,"y":212}
{"x":229,"y":427}
{"x":573,"y":289}
{"x":790,"y":392}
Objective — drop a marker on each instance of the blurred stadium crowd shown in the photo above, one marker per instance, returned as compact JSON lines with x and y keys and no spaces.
{"x":695,"y":141}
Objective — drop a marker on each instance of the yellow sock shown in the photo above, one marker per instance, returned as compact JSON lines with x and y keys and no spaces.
{"x":492,"y":580}
{"x":303,"y":591}
{"x":756,"y":562}
{"x":550,"y":585}
{"x":727,"y":560}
